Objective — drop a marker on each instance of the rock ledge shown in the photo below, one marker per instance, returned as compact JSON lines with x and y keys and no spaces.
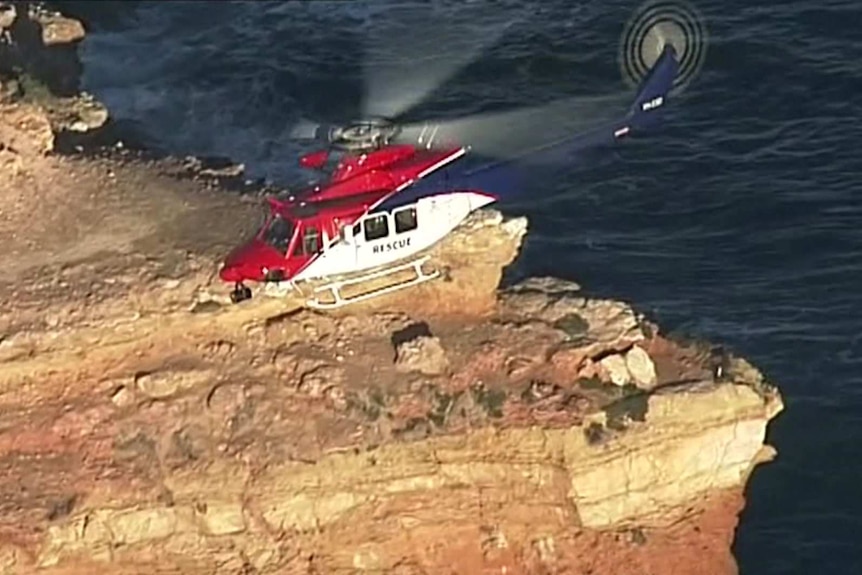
{"x":458,"y":427}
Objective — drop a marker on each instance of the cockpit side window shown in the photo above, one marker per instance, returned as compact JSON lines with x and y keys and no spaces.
{"x":278,"y":233}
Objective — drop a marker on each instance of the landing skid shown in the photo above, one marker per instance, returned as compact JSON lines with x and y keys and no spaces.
{"x":339,"y":301}
{"x":281,"y":289}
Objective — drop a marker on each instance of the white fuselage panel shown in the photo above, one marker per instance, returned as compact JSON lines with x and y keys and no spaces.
{"x":381,"y":238}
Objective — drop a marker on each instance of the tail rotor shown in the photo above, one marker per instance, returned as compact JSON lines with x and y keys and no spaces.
{"x":654,"y":25}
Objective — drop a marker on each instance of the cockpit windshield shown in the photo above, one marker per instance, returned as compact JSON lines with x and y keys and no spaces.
{"x":277,"y":233}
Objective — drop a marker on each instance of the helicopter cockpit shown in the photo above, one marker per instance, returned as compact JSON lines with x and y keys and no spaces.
{"x":277,"y":233}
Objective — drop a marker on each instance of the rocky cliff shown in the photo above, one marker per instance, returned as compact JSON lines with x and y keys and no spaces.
{"x":147,"y":426}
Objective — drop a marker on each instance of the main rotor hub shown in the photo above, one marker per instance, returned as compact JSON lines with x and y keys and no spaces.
{"x":363,"y":135}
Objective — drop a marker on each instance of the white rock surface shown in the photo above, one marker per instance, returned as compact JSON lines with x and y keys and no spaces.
{"x":641,"y":367}
{"x":616,"y":367}
{"x":640,"y":480}
{"x":423,"y":354}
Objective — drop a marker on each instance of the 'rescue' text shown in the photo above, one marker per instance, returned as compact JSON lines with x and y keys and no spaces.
{"x":389,"y":246}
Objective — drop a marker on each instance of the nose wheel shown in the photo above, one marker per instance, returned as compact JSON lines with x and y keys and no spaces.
{"x":240,"y":293}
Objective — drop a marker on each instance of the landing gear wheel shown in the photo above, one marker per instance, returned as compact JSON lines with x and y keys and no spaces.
{"x":240,"y":293}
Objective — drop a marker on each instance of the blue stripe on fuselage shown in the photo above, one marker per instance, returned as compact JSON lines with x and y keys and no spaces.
{"x":501,"y":181}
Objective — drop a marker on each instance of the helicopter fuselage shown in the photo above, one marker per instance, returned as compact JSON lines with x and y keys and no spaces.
{"x":343,"y":225}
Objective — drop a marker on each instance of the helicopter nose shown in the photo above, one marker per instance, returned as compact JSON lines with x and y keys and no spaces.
{"x":238,"y":270}
{"x":239,"y":265}
{"x":231,"y":274}
{"x":250,"y":262}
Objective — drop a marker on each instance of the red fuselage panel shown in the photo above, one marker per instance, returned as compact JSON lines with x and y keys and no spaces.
{"x":387,"y":168}
{"x":351,"y":166}
{"x":247,"y":261}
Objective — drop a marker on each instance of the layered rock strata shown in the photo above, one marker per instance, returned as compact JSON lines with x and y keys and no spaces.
{"x":148,"y":426}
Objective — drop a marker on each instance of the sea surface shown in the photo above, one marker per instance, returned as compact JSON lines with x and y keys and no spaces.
{"x":739,"y":221}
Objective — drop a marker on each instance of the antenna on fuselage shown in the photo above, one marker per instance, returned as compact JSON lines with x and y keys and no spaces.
{"x":432,"y":136}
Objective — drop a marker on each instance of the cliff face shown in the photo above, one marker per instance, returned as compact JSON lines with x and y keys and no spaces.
{"x":150,"y":427}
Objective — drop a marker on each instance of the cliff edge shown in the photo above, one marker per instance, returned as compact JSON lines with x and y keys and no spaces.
{"x":150,"y":427}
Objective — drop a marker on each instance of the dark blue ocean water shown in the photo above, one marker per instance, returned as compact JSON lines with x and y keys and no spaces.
{"x":738,"y":222}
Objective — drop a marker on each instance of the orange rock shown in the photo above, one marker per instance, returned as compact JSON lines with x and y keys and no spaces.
{"x":145,"y":431}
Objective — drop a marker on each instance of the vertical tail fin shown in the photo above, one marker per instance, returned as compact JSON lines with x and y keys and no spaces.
{"x":650,"y":97}
{"x":654,"y":88}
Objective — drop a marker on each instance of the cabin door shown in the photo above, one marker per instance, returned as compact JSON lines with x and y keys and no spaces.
{"x":347,"y":247}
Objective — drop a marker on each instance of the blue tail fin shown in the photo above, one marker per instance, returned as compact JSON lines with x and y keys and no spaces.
{"x":653,"y":90}
{"x":504,"y":179}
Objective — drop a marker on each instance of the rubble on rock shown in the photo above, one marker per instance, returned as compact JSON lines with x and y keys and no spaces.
{"x":39,"y":65}
{"x":458,"y":427}
{"x":422,"y":354}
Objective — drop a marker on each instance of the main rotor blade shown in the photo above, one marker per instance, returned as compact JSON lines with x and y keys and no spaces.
{"x":508,"y":135}
{"x":420,"y":48}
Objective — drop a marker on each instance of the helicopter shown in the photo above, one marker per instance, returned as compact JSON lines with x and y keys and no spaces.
{"x":370,"y":216}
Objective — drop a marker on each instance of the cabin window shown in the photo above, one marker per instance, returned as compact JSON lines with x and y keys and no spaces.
{"x":405,"y":220}
{"x":310,"y":242}
{"x":376,"y":227}
{"x":356,"y":229}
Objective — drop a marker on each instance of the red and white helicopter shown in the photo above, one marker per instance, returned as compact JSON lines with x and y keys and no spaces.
{"x":370,"y":217}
